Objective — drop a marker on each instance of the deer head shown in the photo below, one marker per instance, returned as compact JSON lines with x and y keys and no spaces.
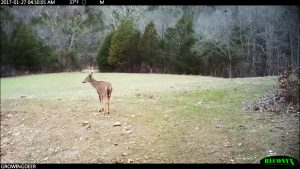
{"x":89,"y":77}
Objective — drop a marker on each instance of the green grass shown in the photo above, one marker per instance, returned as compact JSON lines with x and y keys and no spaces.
{"x":66,"y":85}
{"x":177,"y":118}
{"x":201,"y":110}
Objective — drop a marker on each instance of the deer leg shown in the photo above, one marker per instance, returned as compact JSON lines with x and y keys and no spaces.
{"x":104,"y":106}
{"x":100,"y":103}
{"x":105,"y":103}
{"x":108,"y":106}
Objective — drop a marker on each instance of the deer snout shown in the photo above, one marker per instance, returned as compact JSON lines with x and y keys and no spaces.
{"x":83,"y":81}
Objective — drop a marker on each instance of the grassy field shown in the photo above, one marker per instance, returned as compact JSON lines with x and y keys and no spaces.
{"x":164,"y":119}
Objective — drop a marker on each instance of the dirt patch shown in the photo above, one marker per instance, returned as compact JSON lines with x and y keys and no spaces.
{"x":74,"y":131}
{"x":55,"y":132}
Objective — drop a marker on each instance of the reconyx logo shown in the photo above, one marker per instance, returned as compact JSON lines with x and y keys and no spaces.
{"x":279,"y":161}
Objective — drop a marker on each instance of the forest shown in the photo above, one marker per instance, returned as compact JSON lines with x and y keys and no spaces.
{"x":221,"y":41}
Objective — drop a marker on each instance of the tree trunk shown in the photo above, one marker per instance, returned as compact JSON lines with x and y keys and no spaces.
{"x":253,"y":59}
{"x":291,"y":47}
{"x":298,"y":53}
{"x":72,"y":40}
{"x":269,"y":58}
{"x":278,"y":62}
{"x":230,"y":68}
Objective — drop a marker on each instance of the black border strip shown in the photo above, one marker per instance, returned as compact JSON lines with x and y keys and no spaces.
{"x":151,"y":2}
{"x":165,"y":166}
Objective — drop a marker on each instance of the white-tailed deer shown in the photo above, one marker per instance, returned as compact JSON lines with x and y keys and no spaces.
{"x":104,"y":90}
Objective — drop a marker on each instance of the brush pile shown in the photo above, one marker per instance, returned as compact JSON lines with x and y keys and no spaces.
{"x":283,"y":98}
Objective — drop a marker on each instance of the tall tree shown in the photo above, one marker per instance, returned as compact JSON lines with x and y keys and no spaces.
{"x":103,"y":53}
{"x":30,"y":53}
{"x":133,"y":52}
{"x":180,"y":41}
{"x":122,"y":39}
{"x":149,"y":45}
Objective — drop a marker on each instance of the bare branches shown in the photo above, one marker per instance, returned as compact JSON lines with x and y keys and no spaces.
{"x":262,"y":49}
{"x":116,"y":14}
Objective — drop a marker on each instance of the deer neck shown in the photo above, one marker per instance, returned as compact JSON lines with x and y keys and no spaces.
{"x":93,"y":82}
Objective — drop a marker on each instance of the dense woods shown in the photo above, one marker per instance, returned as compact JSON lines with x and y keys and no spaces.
{"x":224,"y":41}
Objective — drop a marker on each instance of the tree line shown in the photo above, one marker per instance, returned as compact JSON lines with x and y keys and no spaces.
{"x":224,"y":41}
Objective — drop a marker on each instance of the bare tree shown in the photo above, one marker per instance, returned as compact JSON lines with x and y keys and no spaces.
{"x":114,"y":15}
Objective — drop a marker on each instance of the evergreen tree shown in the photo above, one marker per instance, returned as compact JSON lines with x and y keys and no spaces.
{"x":180,"y":41}
{"x":149,"y":45}
{"x":133,"y":52}
{"x":122,"y":39}
{"x":103,"y":53}
{"x":29,"y":52}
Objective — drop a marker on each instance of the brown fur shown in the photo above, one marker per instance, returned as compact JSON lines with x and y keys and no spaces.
{"x":104,"y":90}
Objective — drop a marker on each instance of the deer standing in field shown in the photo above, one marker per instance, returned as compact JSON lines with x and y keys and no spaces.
{"x":104,"y":90}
